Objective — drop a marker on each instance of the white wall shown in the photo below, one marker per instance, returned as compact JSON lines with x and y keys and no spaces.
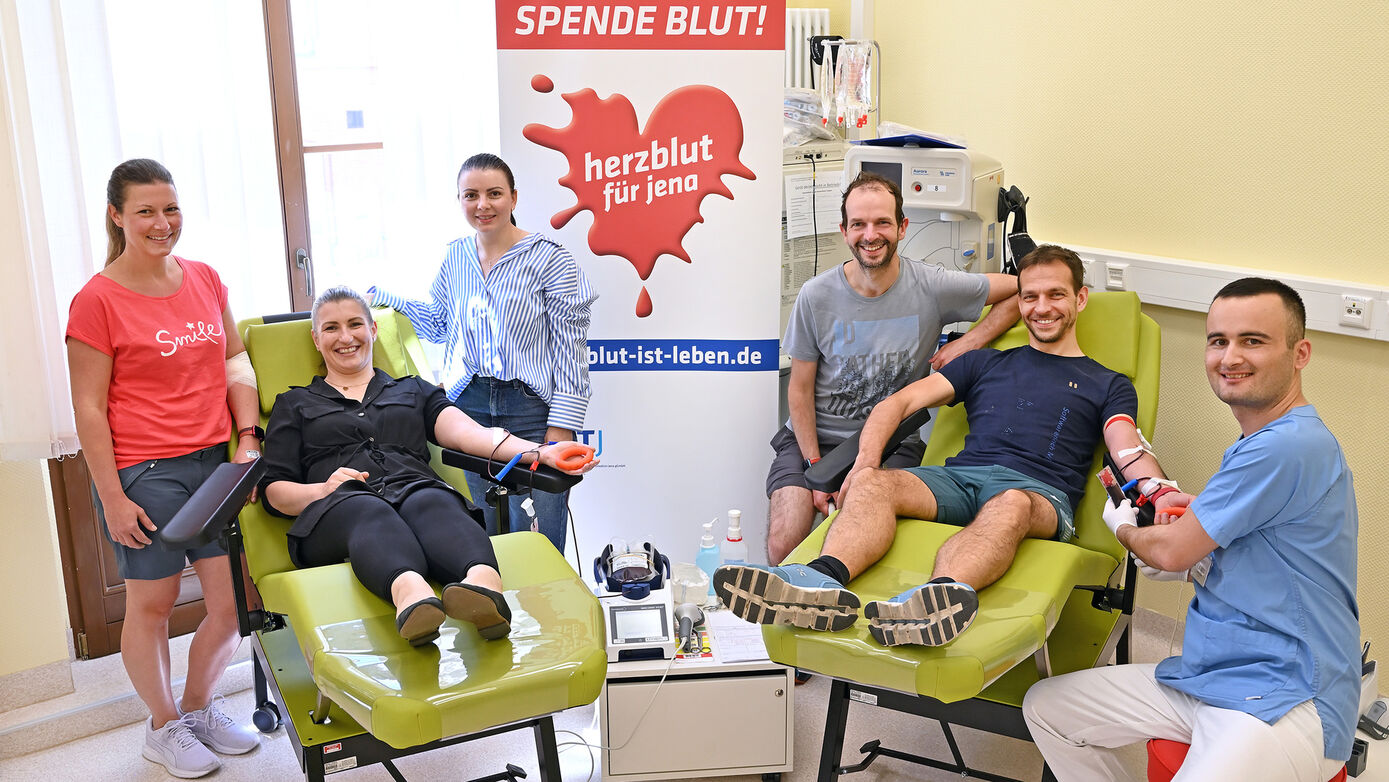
{"x":34,"y":611}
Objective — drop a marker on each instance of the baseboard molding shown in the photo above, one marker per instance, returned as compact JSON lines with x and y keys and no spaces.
{"x":91,"y":718}
{"x":33,"y":685}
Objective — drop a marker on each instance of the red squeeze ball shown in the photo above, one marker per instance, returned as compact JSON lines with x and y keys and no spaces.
{"x":574,"y":456}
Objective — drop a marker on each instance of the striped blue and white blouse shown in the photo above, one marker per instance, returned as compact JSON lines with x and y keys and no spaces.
{"x":526,"y":320}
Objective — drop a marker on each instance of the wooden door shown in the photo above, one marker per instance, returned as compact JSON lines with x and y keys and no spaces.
{"x":96,"y":593}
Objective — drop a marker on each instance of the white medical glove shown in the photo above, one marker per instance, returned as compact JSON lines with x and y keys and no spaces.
{"x":1196,"y":573}
{"x":1124,"y":515}
{"x":1160,"y":575}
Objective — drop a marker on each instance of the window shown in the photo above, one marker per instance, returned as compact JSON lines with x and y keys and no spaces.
{"x":388,"y":101}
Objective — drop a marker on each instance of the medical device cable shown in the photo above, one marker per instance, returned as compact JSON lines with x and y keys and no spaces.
{"x":905,"y":245}
{"x":938,"y":249}
{"x":645,"y":711}
{"x":1007,"y":249}
{"x":497,"y":444}
{"x":1181,"y":597}
{"x":649,"y":703}
{"x":573,"y":534}
{"x":592,"y":762}
{"x":814,"y":221}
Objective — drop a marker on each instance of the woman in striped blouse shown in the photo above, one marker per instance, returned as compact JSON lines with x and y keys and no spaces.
{"x":512,"y":309}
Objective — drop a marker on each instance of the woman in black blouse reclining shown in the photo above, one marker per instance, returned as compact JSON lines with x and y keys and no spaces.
{"x":346,"y":455}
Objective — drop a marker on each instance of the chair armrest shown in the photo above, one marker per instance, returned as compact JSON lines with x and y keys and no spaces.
{"x":827,"y":474}
{"x":544,"y":478}
{"x":213,"y":506}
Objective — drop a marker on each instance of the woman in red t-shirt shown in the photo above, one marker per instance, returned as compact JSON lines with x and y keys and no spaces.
{"x":159,"y":380}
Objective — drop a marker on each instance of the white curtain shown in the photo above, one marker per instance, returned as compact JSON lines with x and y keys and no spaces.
{"x":47,"y":246}
{"x":88,"y":84}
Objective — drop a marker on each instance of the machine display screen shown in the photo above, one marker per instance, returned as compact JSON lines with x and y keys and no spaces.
{"x":884,"y":169}
{"x":638,"y":624}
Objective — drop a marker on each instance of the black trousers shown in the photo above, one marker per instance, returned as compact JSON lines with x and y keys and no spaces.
{"x":431,"y":533}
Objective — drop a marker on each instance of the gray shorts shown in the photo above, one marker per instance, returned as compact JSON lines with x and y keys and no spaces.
{"x":961,"y":491}
{"x":161,"y":487}
{"x":787,"y":470}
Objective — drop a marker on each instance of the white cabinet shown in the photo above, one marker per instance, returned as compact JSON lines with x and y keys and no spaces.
{"x":706,"y":719}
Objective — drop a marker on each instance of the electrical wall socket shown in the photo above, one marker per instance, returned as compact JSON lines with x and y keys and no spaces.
{"x":1094,"y":272}
{"x":1355,"y":311}
{"x":1116,"y":276}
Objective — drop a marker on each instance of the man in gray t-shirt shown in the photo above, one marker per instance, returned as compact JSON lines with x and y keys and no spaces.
{"x":860,"y":332}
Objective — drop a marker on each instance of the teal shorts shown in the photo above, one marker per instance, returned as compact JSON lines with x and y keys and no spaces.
{"x":962,"y":491}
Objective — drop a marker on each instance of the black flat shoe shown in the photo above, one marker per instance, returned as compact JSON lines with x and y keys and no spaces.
{"x":485,"y":609}
{"x":419,"y":622}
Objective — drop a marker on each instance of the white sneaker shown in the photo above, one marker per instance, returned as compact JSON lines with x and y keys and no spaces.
{"x":176,"y":749}
{"x":215,"y":729}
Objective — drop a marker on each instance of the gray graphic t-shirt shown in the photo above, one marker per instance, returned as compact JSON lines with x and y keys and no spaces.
{"x":868,"y":349}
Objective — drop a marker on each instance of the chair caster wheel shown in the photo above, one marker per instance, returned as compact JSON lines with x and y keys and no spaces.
{"x":266,"y":717}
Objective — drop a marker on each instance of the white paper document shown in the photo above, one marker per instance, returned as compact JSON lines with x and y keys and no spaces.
{"x":734,"y":639}
{"x":820,"y":191}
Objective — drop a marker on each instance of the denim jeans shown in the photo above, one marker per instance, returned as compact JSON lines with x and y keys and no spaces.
{"x":161,"y":487}
{"x":513,"y":406}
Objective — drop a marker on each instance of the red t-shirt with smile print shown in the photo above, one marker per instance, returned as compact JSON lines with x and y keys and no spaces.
{"x":168,"y":393}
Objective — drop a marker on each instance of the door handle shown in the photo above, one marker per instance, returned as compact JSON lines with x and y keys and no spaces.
{"x":304,"y":263}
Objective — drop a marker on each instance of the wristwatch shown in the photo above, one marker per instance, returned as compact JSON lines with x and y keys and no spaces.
{"x":255,"y":430}
{"x":805,"y":465}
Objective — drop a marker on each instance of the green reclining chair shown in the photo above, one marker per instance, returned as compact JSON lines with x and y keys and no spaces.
{"x":1065,"y":606}
{"x":356,"y":693}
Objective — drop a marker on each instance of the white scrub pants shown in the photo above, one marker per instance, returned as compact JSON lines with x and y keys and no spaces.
{"x":1079,"y":719}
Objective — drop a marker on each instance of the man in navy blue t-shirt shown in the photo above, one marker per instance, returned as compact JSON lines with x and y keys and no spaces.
{"x":1035,"y":414}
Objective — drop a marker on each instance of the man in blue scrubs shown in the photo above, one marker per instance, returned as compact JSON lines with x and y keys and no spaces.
{"x":1268,"y":682}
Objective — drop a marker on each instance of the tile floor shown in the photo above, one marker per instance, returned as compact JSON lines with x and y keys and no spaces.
{"x":114,"y":754}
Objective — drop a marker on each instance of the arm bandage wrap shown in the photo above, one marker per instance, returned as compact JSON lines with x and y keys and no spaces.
{"x":1143,"y":447}
{"x":239,"y":370}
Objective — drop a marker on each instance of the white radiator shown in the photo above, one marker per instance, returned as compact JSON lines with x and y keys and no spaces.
{"x":801,"y":23}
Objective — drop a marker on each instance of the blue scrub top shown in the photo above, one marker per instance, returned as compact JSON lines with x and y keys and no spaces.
{"x":1276,"y":622}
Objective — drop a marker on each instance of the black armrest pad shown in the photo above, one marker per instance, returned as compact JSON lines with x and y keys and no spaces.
{"x":544,"y":478}
{"x":213,"y":506}
{"x":827,"y":474}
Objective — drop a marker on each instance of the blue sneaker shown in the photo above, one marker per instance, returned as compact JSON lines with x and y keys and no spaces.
{"x":787,"y":595}
{"x":928,"y":615}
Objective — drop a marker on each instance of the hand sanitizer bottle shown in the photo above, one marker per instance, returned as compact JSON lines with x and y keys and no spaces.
{"x":708,"y":557}
{"x":734,"y":551}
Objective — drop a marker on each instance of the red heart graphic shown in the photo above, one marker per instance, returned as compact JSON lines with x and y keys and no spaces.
{"x":644,"y":187}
